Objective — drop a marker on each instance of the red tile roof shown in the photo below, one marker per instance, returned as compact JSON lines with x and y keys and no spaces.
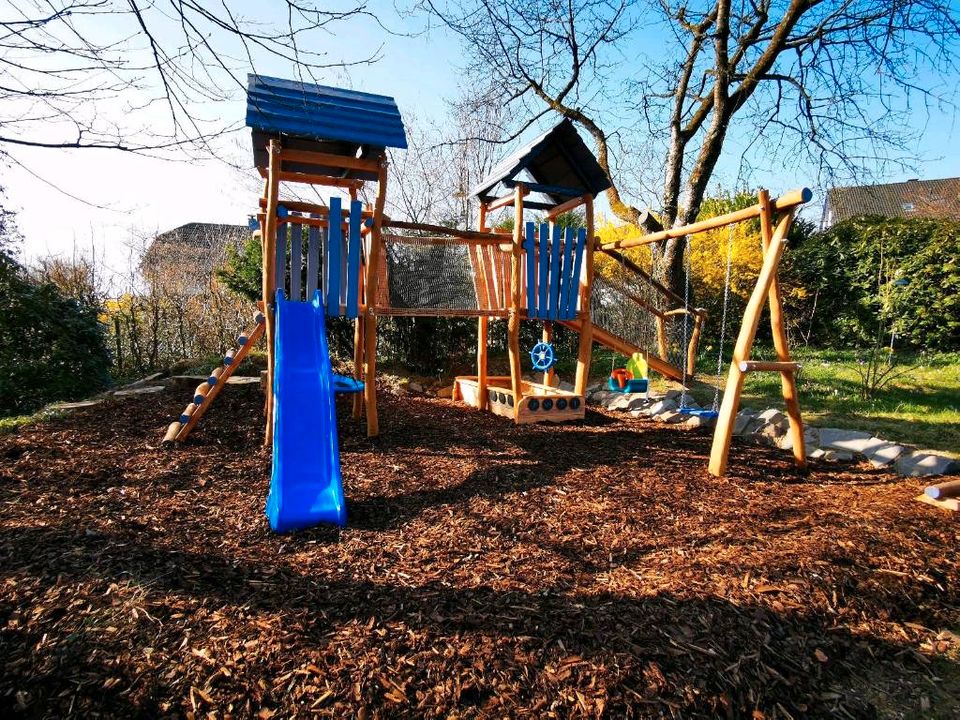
{"x":914,"y":198}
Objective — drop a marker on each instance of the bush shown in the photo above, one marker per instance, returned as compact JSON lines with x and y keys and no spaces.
{"x":52,"y":347}
{"x":873,"y":275}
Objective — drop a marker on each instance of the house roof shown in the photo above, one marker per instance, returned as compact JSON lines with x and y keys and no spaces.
{"x":203,"y":235}
{"x":317,"y":117}
{"x":914,"y":198}
{"x":558,"y":160}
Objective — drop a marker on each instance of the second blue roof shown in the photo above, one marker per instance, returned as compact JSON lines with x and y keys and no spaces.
{"x":319,"y":112}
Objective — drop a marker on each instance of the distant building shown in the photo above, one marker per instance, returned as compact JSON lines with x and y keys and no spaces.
{"x":184,"y":258}
{"x":913,"y":198}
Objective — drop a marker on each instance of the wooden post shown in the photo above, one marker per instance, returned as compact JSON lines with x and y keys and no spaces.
{"x":788,"y":377}
{"x":483,"y":323}
{"x":269,"y":241}
{"x":741,"y":351}
{"x":370,"y":324}
{"x":513,"y":321}
{"x":547,"y":337}
{"x":585,"y":350}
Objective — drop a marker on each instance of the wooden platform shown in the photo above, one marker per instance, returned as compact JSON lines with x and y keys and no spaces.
{"x":949,"y":503}
{"x":540,"y":403}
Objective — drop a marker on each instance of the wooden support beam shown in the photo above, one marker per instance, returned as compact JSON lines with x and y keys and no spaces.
{"x":326,"y":180}
{"x":513,"y":320}
{"x":948,"y":489}
{"x":547,"y":337}
{"x":372,"y":285}
{"x":506,"y":200}
{"x":785,"y":202}
{"x":331,"y":160}
{"x":585,"y":346}
{"x":483,"y":324}
{"x":567,"y":206}
{"x":723,"y":434}
{"x":788,"y":377}
{"x":492,"y":238}
{"x":768,"y":366}
{"x":269,"y":268}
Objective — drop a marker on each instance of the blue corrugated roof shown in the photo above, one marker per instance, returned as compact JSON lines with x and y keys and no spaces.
{"x":318,"y":112}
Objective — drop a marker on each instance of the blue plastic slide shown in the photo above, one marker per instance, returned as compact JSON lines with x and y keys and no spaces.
{"x":305,"y":487}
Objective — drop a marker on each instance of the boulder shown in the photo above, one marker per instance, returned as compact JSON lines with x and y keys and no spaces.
{"x":921,"y":464}
{"x":148,"y":390}
{"x":661,"y":406}
{"x":837,"y":455}
{"x":881,"y":453}
{"x":840,"y":439}
{"x":445,"y":392}
{"x":742,"y":421}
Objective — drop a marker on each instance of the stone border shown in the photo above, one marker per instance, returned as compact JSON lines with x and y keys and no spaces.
{"x":769,"y":427}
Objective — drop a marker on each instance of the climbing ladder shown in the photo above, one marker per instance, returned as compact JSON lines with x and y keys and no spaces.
{"x":208,"y":390}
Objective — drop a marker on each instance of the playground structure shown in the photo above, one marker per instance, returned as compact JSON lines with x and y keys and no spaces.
{"x":355,"y":262}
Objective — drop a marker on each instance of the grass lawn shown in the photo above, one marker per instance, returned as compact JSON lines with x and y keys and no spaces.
{"x":921,"y":407}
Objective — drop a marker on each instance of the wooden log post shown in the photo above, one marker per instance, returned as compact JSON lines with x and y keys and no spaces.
{"x":513,"y":319}
{"x":372,"y":284}
{"x":788,"y":375}
{"x":483,"y":323}
{"x":269,"y":269}
{"x":694,"y":343}
{"x":585,"y":349}
{"x":723,"y":434}
{"x":547,"y":337}
{"x":948,"y":489}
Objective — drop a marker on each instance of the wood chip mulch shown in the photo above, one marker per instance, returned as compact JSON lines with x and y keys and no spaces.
{"x":586,"y":570}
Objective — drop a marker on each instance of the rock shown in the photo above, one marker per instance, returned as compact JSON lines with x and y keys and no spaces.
{"x":742,"y":421}
{"x":243,"y":380}
{"x":815,"y":453}
{"x":148,"y":390}
{"x":619,"y":403}
{"x":921,"y":464}
{"x":143,"y":381}
{"x":839,"y":439}
{"x":811,"y":439}
{"x":599,"y":397}
{"x":670,"y":417}
{"x":673,"y":395}
{"x":662,"y":406}
{"x":75,"y":405}
{"x":698,"y":421}
{"x":187,"y":382}
{"x":837,"y":455}
{"x":415,"y":387}
{"x":565,"y":386}
{"x":881,"y":453}
{"x":638,"y":402}
{"x":445,"y":392}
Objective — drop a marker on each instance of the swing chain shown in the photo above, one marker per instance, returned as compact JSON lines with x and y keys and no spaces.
{"x":723,"y":320}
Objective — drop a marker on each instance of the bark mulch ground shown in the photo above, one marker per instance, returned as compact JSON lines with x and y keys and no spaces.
{"x":588,"y":570}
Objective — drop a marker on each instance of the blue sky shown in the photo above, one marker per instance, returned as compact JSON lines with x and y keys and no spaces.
{"x":141,"y":196}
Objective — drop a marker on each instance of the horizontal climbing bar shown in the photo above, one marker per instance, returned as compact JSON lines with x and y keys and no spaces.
{"x":441,"y":230}
{"x":784,"y":202}
{"x":768,"y":366}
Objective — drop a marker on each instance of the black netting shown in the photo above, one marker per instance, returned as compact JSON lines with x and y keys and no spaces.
{"x":434,"y":275}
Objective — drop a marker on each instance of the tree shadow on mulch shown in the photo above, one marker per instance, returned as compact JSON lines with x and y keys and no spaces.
{"x":706,"y":655}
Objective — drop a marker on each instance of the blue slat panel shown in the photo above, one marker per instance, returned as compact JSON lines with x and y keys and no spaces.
{"x":543,"y":268}
{"x":296,"y":260}
{"x":575,"y":278}
{"x":554,"y":287}
{"x":353,"y":259}
{"x":566,"y":269}
{"x":280,"y":274}
{"x":313,"y":261}
{"x":530,"y":245}
{"x":334,"y":261}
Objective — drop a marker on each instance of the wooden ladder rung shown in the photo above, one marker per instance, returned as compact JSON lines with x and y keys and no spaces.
{"x":768,"y":366}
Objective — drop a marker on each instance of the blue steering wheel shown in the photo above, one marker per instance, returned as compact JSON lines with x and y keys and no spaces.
{"x":543,"y":356}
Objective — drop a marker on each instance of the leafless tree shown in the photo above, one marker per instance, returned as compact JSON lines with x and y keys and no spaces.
{"x":825,"y":81}
{"x":143,"y":76}
{"x":431,"y":180}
